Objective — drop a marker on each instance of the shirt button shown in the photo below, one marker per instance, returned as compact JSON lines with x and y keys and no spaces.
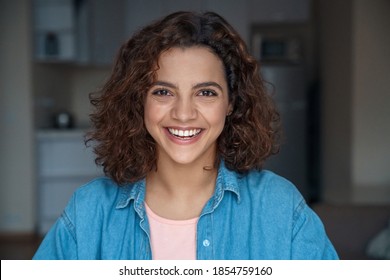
{"x":206,"y":243}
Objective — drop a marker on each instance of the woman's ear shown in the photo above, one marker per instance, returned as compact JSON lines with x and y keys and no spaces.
{"x":230,"y":110}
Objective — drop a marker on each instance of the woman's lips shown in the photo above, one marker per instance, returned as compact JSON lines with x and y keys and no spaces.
{"x":184,"y":132}
{"x":182,"y":135}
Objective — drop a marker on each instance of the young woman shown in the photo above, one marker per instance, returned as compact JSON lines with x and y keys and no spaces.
{"x":182,"y":129}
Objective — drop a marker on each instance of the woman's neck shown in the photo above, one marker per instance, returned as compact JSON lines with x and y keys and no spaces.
{"x":181,"y":178}
{"x":178,"y":191}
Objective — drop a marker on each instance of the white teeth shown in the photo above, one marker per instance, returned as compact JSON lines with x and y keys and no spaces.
{"x":184,"y":133}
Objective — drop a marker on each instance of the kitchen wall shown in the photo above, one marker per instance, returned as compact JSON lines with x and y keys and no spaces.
{"x":354,"y":43}
{"x":371,"y":101}
{"x":76,"y":83}
{"x":17,"y":169}
{"x":355,"y":119}
{"x":84,"y":81}
{"x":52,"y":92}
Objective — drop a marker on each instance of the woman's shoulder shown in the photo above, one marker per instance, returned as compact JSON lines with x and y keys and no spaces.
{"x":265,"y":178}
{"x":97,"y":198}
{"x":98,"y":187}
{"x":269,"y":184}
{"x":102,"y":190}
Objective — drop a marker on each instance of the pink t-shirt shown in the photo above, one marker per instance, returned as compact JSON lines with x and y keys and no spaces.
{"x":172,"y":239}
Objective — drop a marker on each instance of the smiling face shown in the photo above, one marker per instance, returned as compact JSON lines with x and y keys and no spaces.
{"x":186,"y":106}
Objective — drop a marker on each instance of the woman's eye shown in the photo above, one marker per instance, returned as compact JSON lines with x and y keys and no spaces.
{"x":161,"y":92}
{"x":207,"y":93}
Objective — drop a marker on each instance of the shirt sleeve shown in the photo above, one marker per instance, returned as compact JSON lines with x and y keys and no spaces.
{"x":310,"y":240}
{"x":60,"y":242}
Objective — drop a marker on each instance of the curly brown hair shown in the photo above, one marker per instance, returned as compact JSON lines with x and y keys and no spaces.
{"x":124,"y":147}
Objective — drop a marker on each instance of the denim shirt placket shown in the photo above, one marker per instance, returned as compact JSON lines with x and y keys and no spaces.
{"x":205,"y":242}
{"x":137,"y":194}
{"x":139,"y":206}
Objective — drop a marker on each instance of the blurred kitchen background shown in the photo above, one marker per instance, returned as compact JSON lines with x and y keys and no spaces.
{"x":327,"y":63}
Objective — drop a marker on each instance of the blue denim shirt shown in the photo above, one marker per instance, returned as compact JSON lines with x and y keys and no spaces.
{"x":258,"y":215}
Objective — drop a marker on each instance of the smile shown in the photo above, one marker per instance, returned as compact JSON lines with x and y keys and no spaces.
{"x":186,"y":134}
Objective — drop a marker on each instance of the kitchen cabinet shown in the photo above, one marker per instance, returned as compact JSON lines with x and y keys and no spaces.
{"x":101,"y":31}
{"x":91,"y":31}
{"x":278,"y":11}
{"x":235,"y":12}
{"x":141,"y":12}
{"x":54,"y":30}
{"x":64,"y":164}
{"x":171,"y":6}
{"x":81,"y":32}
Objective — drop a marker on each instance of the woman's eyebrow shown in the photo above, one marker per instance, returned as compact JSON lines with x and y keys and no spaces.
{"x":207,"y":84}
{"x":196,"y":86}
{"x":164,"y":84}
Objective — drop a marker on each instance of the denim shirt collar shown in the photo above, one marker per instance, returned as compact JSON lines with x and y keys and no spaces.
{"x":227,"y":180}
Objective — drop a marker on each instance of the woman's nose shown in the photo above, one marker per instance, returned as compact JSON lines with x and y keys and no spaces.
{"x":184,"y":110}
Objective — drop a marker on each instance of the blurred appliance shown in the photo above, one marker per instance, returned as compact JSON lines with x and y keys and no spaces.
{"x":63,"y":120}
{"x":277,"y":48}
{"x":287,"y":85}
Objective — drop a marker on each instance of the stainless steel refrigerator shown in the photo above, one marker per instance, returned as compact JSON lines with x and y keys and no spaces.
{"x":287,"y":84}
